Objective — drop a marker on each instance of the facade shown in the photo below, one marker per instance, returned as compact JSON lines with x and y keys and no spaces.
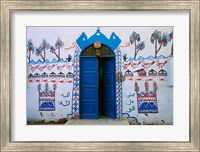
{"x":98,"y":72}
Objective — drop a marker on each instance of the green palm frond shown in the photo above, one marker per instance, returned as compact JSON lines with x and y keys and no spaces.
{"x":52,"y":49}
{"x":38,"y":51}
{"x":59,"y":43}
{"x":30,"y":46}
{"x":171,"y":36}
{"x":141,"y":46}
{"x":164,"y":39}
{"x":45,"y":44}
{"x":134,"y":37}
{"x":155,"y":36}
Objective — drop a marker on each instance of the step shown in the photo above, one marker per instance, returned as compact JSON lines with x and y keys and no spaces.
{"x":100,"y":121}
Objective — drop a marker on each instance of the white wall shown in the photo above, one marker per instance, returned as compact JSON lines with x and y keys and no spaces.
{"x":69,"y":35}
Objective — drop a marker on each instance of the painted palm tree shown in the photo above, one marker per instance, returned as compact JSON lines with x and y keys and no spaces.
{"x":158,"y":38}
{"x":134,"y":39}
{"x":44,"y":46}
{"x":171,"y":36}
{"x":39,"y":52}
{"x":58,"y":45}
{"x":29,"y":48}
{"x":136,"y":88}
{"x":53,"y":50}
{"x":140,"y":47}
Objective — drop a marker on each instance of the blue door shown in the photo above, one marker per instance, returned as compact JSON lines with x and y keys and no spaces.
{"x":89,"y":88}
{"x":108,"y":88}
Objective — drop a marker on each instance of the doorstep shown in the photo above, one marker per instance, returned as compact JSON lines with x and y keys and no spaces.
{"x":100,"y":121}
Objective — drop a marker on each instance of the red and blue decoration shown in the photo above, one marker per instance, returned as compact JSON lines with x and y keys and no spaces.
{"x":118,"y":83}
{"x":147,"y":100}
{"x":47,"y":98}
{"x":75,"y":93}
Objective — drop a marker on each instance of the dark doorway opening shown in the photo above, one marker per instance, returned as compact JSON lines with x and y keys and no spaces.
{"x":100,"y":87}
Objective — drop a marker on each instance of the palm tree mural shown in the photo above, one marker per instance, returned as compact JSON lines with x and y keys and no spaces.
{"x":171,"y":36}
{"x":134,"y":39}
{"x":140,"y":47}
{"x":59,"y":44}
{"x":41,"y":51}
{"x":29,"y":48}
{"x":158,"y":38}
{"x":53,"y":50}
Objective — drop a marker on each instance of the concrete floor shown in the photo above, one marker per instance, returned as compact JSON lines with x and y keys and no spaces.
{"x":100,"y":121}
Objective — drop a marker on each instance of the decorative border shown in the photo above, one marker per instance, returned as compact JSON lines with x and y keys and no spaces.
{"x":113,"y":42}
{"x":118,"y":83}
{"x":76,"y":82}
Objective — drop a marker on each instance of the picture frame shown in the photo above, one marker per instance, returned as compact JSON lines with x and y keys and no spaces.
{"x":8,"y":7}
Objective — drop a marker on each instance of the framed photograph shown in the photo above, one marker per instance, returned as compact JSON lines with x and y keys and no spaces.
{"x":99,"y":75}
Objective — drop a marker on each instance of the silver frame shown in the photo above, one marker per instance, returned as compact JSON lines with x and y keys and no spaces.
{"x":7,"y":7}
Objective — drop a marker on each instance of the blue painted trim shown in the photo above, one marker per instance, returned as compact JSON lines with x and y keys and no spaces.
{"x":111,"y":43}
{"x":119,"y":82}
{"x":75,"y":106}
{"x":69,"y":115}
{"x":130,"y":117}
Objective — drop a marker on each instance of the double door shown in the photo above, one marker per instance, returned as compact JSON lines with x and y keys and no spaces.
{"x":97,"y":87}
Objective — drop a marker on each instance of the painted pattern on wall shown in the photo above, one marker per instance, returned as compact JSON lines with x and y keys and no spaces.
{"x":46,"y":98}
{"x":75,"y":96}
{"x":142,"y":72}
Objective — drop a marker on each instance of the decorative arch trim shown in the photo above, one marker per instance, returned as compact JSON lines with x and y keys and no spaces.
{"x":83,"y":42}
{"x":113,"y":42}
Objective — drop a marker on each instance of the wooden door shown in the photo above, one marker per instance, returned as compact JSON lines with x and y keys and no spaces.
{"x":108,"y":89}
{"x":89,"y":88}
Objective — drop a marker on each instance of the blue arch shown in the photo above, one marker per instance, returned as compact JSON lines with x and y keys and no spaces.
{"x":113,"y":42}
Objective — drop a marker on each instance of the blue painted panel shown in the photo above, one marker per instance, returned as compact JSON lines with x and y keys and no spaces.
{"x":108,"y":105}
{"x":89,"y":108}
{"x":89,"y":88}
{"x":89,"y":78}
{"x":106,"y":78}
{"x":107,"y":95}
{"x":89,"y":65}
{"x":89,"y":93}
{"x":108,"y":73}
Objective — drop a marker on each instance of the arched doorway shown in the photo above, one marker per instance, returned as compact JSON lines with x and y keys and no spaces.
{"x":97,"y":83}
{"x":83,"y":42}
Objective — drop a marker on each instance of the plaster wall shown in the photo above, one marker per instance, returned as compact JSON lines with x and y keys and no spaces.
{"x":64,"y":86}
